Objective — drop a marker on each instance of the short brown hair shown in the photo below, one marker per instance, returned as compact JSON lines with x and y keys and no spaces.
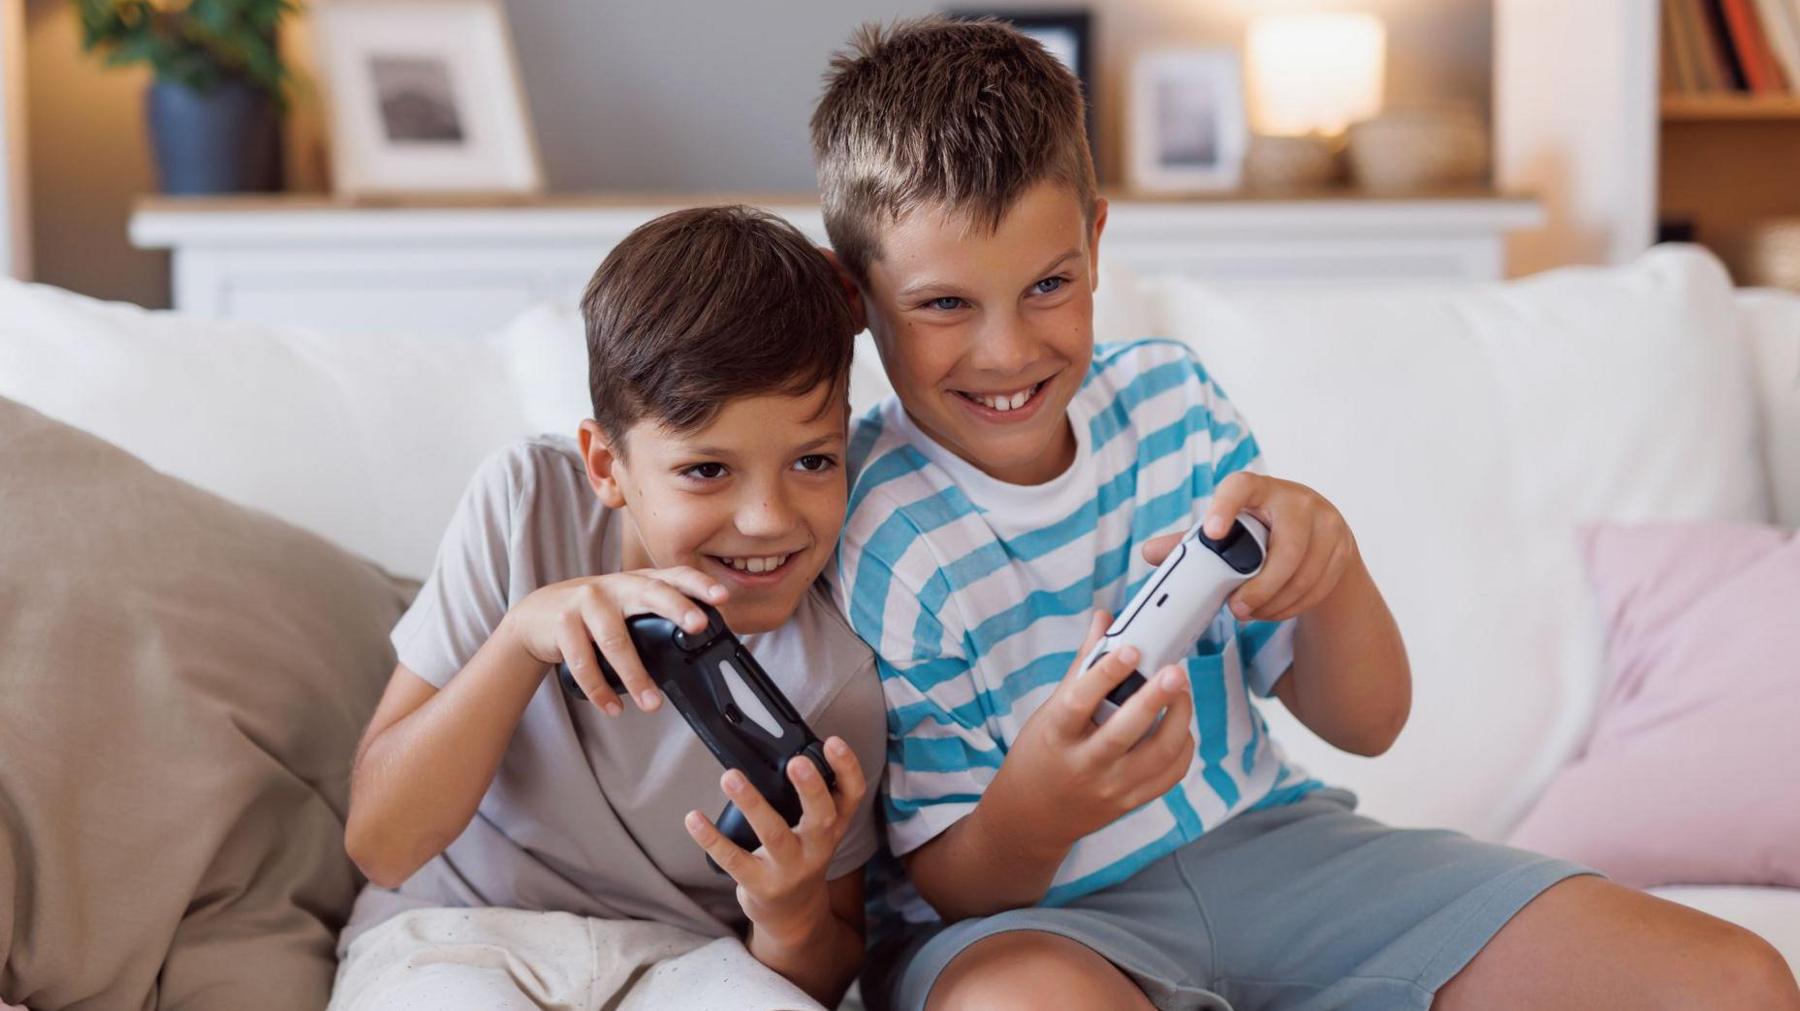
{"x":969,"y":114}
{"x":704,"y":305}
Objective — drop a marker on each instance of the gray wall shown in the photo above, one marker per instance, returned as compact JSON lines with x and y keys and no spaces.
{"x":666,"y":96}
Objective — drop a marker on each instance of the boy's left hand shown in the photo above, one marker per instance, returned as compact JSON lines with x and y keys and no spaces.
{"x":1310,"y":545}
{"x":781,"y":886}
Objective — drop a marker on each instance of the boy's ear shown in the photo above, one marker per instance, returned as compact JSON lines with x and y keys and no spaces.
{"x":604,"y":464}
{"x":1094,"y":243}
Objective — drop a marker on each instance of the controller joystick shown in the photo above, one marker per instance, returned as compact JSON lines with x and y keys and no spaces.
{"x":737,"y":710}
{"x":1173,"y":608}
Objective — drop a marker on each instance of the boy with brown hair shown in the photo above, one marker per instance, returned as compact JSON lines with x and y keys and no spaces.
{"x":1024,"y":481}
{"x":530,"y":850}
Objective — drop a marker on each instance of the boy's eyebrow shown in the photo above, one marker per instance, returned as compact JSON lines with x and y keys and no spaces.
{"x":805,"y":447}
{"x":918,"y":287}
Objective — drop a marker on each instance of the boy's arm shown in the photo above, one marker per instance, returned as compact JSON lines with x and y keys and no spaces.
{"x":1063,"y":778}
{"x":825,"y":959}
{"x":427,"y":758}
{"x":1349,"y":681}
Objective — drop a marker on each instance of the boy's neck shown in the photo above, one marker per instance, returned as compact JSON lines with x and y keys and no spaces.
{"x":1041,"y":468}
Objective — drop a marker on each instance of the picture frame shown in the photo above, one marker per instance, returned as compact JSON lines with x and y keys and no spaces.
{"x":1067,"y":33}
{"x":424,"y":96}
{"x":1187,"y":125}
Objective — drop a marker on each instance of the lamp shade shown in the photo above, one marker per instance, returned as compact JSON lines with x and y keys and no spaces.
{"x":1314,"y":73}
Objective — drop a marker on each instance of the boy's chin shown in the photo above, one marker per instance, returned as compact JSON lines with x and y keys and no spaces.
{"x":747,"y":614}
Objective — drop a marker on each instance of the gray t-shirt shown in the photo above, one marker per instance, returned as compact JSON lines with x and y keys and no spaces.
{"x":585,"y":812}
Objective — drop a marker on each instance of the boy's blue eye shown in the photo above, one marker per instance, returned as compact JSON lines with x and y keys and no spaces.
{"x":705,"y":471}
{"x":815,"y":462}
{"x":945,"y":304}
{"x":1049,"y":284}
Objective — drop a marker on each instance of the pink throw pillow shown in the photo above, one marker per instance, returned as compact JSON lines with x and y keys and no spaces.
{"x":1692,"y":775}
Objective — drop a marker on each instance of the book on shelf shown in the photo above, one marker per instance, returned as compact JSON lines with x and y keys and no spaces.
{"x":1743,"y":46}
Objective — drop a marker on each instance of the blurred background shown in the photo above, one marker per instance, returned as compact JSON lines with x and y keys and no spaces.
{"x":697,"y":97}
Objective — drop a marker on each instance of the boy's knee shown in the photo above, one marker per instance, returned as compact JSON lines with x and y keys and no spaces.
{"x":1024,"y":970}
{"x":1750,"y":973}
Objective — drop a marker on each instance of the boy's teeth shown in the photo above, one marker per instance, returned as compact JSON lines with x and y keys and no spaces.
{"x":756,"y":565}
{"x":1005,"y":401}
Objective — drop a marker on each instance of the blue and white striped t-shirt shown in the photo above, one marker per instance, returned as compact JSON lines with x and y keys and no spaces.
{"x":975,"y":595}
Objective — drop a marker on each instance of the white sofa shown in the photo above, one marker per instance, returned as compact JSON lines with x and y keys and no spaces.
{"x":1464,"y":430}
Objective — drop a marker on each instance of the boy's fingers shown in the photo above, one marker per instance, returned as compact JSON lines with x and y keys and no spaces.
{"x":1233,"y":495}
{"x":578,"y":654}
{"x":654,"y":596}
{"x":771,"y":829}
{"x":1334,"y":570}
{"x":851,"y":783}
{"x":694,"y":583}
{"x":607,"y":627}
{"x":1306,"y":577}
{"x":1160,"y":760}
{"x":731,"y":858}
{"x":817,"y":812}
{"x":1157,"y":548}
{"x":1287,"y":549}
{"x":1081,"y":695}
{"x":1133,"y":721}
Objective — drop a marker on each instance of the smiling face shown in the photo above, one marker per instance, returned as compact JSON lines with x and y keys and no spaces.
{"x":754,"y":498}
{"x":987,"y":336}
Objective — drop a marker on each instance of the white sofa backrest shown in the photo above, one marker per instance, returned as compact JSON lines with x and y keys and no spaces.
{"x":1463,"y":430}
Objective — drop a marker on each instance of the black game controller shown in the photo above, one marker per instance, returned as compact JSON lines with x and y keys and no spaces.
{"x":724,"y":694}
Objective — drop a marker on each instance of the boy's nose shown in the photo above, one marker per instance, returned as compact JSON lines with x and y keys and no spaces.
{"x":1004,"y":345}
{"x":767,"y":514}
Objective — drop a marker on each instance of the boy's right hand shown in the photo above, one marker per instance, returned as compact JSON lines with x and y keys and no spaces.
{"x":1066,"y":777}
{"x":564,"y":622}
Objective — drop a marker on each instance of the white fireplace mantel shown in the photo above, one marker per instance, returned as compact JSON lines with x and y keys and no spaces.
{"x":465,"y":268}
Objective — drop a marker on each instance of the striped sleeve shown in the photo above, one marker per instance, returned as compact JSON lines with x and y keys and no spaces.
{"x":940,"y":752}
{"x":1266,"y":647}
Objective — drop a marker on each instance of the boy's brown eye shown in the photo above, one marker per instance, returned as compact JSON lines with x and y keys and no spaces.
{"x":815,"y":462}
{"x":706,"y":471}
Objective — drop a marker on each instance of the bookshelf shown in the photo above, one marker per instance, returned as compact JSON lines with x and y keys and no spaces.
{"x":1700,"y":108}
{"x":1729,"y":121}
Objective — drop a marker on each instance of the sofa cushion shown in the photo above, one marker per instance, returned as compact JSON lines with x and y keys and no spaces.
{"x":1695,"y":734}
{"x":185,"y":681}
{"x":1464,"y":431}
{"x":367,"y":441}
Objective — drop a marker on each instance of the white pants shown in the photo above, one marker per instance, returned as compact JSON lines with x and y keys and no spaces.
{"x":486,"y":959}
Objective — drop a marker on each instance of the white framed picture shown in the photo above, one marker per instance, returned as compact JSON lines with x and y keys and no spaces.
{"x":424,"y":97}
{"x":1187,"y":125}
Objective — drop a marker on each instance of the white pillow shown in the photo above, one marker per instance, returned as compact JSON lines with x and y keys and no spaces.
{"x":367,"y":441}
{"x":1464,"y":430}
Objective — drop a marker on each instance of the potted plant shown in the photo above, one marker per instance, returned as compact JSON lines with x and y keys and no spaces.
{"x":214,"y":109}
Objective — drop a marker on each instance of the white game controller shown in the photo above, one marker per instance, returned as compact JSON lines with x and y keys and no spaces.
{"x":1167,"y":617}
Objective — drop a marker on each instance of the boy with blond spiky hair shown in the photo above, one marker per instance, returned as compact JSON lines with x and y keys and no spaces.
{"x":1024,"y":481}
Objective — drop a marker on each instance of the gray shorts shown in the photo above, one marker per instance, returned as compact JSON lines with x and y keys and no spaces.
{"x":1302,"y":907}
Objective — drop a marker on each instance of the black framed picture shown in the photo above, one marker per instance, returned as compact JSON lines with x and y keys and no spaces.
{"x":1067,"y":33}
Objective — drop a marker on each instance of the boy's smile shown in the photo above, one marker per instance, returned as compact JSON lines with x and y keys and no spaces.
{"x":754,"y":498}
{"x":988,"y":335}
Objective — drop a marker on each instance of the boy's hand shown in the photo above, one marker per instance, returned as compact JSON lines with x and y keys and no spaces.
{"x":782,"y":885}
{"x":1065,"y":777}
{"x":1310,"y":545}
{"x":564,"y":622}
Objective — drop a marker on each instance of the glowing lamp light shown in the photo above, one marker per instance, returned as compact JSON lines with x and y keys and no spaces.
{"x":1314,"y":73}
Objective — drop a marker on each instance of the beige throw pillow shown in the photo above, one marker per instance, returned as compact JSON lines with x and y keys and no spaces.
{"x":182,"y":684}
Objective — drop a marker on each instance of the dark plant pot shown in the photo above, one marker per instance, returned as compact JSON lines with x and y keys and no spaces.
{"x":226,"y":140}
